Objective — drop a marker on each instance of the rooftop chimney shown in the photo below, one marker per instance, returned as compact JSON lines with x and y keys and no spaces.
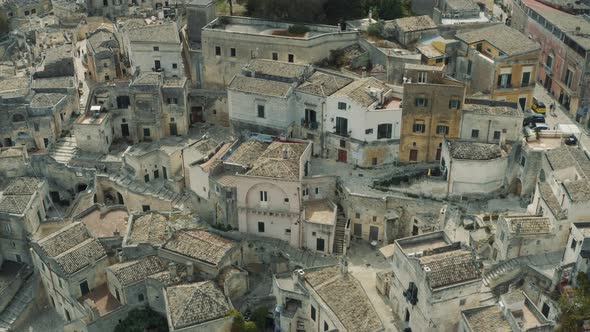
{"x":121,"y":256}
{"x":285,"y":153}
{"x":91,"y":259}
{"x":190,"y":271}
{"x":172,"y":269}
{"x":364,"y":72}
{"x":343,"y":266}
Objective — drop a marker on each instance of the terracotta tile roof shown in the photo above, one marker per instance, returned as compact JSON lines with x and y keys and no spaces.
{"x":578,"y":191}
{"x":277,"y":68}
{"x":64,"y":239}
{"x":414,"y":23}
{"x":345,"y":296}
{"x":429,"y":51}
{"x":193,"y":304}
{"x":528,"y":224}
{"x":154,"y":33}
{"x":320,"y":275}
{"x":273,"y":164}
{"x":506,"y":39}
{"x":487,"y":319}
{"x":80,"y":256}
{"x":247,"y":153}
{"x":549,"y":198}
{"x":22,"y":186}
{"x":16,"y":204}
{"x":149,"y":228}
{"x":199,"y":245}
{"x":323,"y":84}
{"x":474,"y":150}
{"x":137,"y":270}
{"x":260,"y":86}
{"x":358,"y":91}
{"x":449,"y":268}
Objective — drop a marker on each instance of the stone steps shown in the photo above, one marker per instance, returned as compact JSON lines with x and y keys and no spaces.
{"x":339,"y":233}
{"x":499,"y":270}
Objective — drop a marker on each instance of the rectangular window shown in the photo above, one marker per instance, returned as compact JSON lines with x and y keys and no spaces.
{"x":497,"y":134}
{"x":174,"y":66}
{"x":384,"y":130}
{"x":368,"y":131}
{"x":260,"y":227}
{"x":419,"y":127}
{"x":260,"y":111}
{"x":172,"y":101}
{"x":504,"y":80}
{"x":469,"y":65}
{"x":140,"y":297}
{"x":263,"y":196}
{"x":217,"y":51}
{"x":157,"y":65}
{"x":569,"y":77}
{"x":474,"y":133}
{"x":313,"y":313}
{"x":326,"y":327}
{"x":442,"y":130}
{"x":421,"y":102}
{"x":291,"y":58}
{"x":145,"y":208}
{"x":342,"y":126}
{"x":549,"y":62}
{"x":156,"y":49}
{"x":275,"y":56}
{"x":341,"y":106}
{"x":462,"y":302}
{"x":146,"y":132}
{"x":232,"y":52}
{"x":522,"y":161}
{"x":317,"y":191}
{"x":454,"y":104}
{"x":573,"y":245}
{"x":422,"y":77}
{"x":526,"y":79}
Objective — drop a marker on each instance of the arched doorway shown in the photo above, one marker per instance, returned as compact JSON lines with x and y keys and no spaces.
{"x":81,"y":187}
{"x":120,"y":198}
{"x":516,"y":187}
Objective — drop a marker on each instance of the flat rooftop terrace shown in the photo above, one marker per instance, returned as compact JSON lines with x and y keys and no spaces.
{"x":254,"y":26}
{"x":423,"y":242}
{"x":320,"y":212}
{"x":104,"y":224}
{"x":89,"y":118}
{"x":102,"y":299}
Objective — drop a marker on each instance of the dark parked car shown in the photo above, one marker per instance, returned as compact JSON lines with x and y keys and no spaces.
{"x":534,"y":118}
{"x":572,"y":140}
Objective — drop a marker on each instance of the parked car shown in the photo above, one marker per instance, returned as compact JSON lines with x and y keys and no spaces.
{"x":571,"y":140}
{"x":536,"y":118}
{"x":539,"y":106}
{"x":538,"y":126}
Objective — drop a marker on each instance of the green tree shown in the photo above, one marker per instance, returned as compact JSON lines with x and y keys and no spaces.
{"x":238,"y":324}
{"x":143,"y":320}
{"x":250,"y":327}
{"x":390,"y":9}
{"x":575,"y":305}
{"x":259,"y":317}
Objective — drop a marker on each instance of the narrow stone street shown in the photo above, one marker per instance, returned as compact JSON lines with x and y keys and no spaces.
{"x":364,"y":263}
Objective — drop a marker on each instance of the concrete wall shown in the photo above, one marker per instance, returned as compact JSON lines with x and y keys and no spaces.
{"x":488,"y":125}
{"x":96,"y":138}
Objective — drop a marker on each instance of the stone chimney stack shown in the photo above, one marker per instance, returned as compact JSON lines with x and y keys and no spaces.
{"x":190,"y":271}
{"x":91,"y":259}
{"x":117,"y":233}
{"x":343,"y":266}
{"x":364,"y":73}
{"x":121,"y":256}
{"x":285,"y":153}
{"x":172,"y":269}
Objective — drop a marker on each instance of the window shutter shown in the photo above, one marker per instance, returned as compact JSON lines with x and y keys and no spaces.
{"x":416,"y":100}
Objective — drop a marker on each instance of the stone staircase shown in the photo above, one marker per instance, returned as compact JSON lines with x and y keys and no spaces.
{"x":63,"y":150}
{"x":338,"y":247}
{"x":186,"y":65}
{"x":499,"y":270}
{"x":23,"y":298}
{"x":177,"y":200}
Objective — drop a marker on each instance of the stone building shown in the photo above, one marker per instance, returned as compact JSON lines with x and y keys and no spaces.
{"x":127,"y":280}
{"x":514,"y":312}
{"x":93,"y":130}
{"x":103,"y":56}
{"x":409,"y":30}
{"x":155,"y":48}
{"x":498,"y":61}
{"x":577,"y":249}
{"x":57,"y":61}
{"x":456,"y":10}
{"x":108,"y":8}
{"x":319,"y":299}
{"x":13,"y":162}
{"x":71,"y":264}
{"x":439,"y":278}
{"x":18,"y":11}
{"x":200,"y":306}
{"x":563,"y":62}
{"x":145,"y":233}
{"x":460,"y":158}
{"x":34,"y":116}
{"x":229,"y":43}
{"x":209,"y":253}
{"x":523,"y":235}
{"x":488,"y":121}
{"x":362,"y":123}
{"x":431,"y":111}
{"x":23,"y":207}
